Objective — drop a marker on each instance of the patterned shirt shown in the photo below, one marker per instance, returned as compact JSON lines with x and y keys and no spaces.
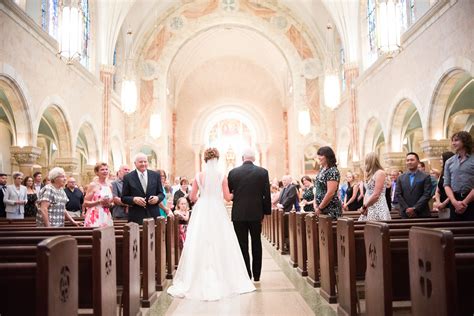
{"x":334,"y":208}
{"x":57,"y":199}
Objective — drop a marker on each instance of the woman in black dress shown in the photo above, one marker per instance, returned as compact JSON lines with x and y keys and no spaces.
{"x":30,"y":206}
{"x":351,"y":200}
{"x":441,"y":203}
{"x":308,"y":194}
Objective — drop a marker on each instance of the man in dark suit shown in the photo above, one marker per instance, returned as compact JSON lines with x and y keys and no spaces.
{"x":142,"y":190}
{"x":413,"y":190}
{"x":3,"y":188}
{"x":250,"y":186}
{"x":288,"y":196}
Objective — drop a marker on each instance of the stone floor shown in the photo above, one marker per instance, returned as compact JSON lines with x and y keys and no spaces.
{"x":281,"y":292}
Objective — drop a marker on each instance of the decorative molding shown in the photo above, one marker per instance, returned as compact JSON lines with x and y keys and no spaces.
{"x":25,"y":156}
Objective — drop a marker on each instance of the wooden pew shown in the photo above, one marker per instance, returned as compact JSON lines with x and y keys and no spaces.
{"x":275,"y":225}
{"x":170,"y":245}
{"x":283,"y":233}
{"x":148,"y":245}
{"x":301,"y":250}
{"x":130,"y":269}
{"x":387,"y":275}
{"x":49,"y":284}
{"x":312,"y":246}
{"x":327,"y":255}
{"x":292,"y":239}
{"x":160,"y":252}
{"x":441,"y":278}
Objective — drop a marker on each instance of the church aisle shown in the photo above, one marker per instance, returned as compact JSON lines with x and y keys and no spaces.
{"x":281,"y":292}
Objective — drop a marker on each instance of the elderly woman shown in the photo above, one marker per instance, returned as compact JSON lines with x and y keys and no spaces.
{"x":15,"y":198}
{"x":98,"y":199}
{"x":52,"y":201}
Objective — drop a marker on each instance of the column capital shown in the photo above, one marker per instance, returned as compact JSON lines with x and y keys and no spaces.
{"x":69,"y":164}
{"x":434,"y":148}
{"x":395,"y":160}
{"x":26,"y":155}
{"x":107,"y":69}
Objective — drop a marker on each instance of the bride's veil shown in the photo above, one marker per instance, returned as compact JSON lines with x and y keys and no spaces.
{"x":212,"y":186}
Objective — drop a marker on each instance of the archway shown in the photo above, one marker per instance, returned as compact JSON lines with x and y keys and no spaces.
{"x":374,"y":139}
{"x":459,"y":115}
{"x":406,"y":128}
{"x":86,"y":149}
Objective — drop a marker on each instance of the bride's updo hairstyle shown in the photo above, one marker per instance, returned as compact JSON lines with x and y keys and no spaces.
{"x":211,"y":153}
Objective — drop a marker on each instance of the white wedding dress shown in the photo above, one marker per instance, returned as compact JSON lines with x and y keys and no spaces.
{"x":211,"y":266}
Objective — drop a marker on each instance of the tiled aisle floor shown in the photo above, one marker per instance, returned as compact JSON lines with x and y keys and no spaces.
{"x":281,"y":292}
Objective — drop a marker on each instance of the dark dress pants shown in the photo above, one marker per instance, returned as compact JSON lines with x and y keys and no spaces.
{"x":242,"y":230}
{"x":468,"y":214}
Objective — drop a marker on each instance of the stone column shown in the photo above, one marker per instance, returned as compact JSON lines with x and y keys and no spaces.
{"x":433,"y":149}
{"x":25,"y":157}
{"x":88,"y":174}
{"x":351,"y":72}
{"x":395,"y":160}
{"x":286,"y":144}
{"x":197,"y":157}
{"x":69,"y":164}
{"x":106,"y":77}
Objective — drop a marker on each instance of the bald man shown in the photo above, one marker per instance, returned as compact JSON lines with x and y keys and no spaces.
{"x":142,"y":191}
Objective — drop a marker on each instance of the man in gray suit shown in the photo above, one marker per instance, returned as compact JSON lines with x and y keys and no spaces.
{"x":120,"y":209}
{"x":413,"y":190}
{"x":289,"y":195}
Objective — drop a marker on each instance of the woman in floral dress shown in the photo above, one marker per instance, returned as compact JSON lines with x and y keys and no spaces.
{"x":98,"y":199}
{"x":326,"y":183}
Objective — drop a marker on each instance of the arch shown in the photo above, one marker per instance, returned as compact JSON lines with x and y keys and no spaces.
{"x":19,"y":115}
{"x":89,"y":135}
{"x":118,"y":152}
{"x":343,"y":147}
{"x":56,"y":117}
{"x":404,"y":114}
{"x":450,"y":72}
{"x":372,"y":133}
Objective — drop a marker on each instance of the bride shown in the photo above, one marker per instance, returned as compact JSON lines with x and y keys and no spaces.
{"x":211,"y":266}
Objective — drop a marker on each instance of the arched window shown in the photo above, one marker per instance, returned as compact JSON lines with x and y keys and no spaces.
{"x":371,"y":27}
{"x":86,"y":33}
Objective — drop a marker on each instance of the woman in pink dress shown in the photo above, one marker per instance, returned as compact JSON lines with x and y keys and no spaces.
{"x":98,"y":199}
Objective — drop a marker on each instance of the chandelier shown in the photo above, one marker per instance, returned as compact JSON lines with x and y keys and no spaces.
{"x":332,"y":88}
{"x":388,"y":25}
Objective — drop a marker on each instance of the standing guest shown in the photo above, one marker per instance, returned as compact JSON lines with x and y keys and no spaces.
{"x":183,"y":191}
{"x":120,"y":209}
{"x":421,"y":166}
{"x":388,"y":192}
{"x":166,"y":205}
{"x":343,"y":190}
{"x":459,"y":178}
{"x":308,"y":194}
{"x":38,"y":184}
{"x":75,"y":197}
{"x":375,"y":206}
{"x":182,"y":214}
{"x":142,"y":191}
{"x":52,"y":200}
{"x":46,"y":181}
{"x":434,"y":175}
{"x":3,"y":188}
{"x":413,"y":190}
{"x":98,"y":199}
{"x":275,"y":195}
{"x":326,"y":183}
{"x":441,"y":203}
{"x":393,"y":199}
{"x":15,"y":197}
{"x":30,"y":206}
{"x":351,"y":200}
{"x":288,"y":195}
{"x":176,"y":185}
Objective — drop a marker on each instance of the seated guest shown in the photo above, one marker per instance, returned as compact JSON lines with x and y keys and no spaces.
{"x":375,"y":206}
{"x":52,"y":201}
{"x":15,"y":197}
{"x":182,"y":192}
{"x":75,"y":196}
{"x":120,"y":209}
{"x":308,"y":194}
{"x":459,"y":178}
{"x":326,"y":200}
{"x":98,"y":199}
{"x":351,"y":199}
{"x":181,"y":213}
{"x":3,"y":188}
{"x":413,"y":190}
{"x":30,"y":206}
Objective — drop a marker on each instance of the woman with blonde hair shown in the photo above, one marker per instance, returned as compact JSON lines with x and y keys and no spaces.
{"x":375,"y":206}
{"x":98,"y":199}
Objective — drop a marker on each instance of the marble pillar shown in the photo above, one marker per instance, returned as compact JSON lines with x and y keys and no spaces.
{"x":25,"y":157}
{"x":351,"y":73}
{"x":106,"y":77}
{"x":395,"y":160}
{"x":433,"y":149}
{"x":69,"y":164}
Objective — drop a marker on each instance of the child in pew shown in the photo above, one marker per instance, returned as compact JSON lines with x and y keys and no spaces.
{"x":182,"y":214}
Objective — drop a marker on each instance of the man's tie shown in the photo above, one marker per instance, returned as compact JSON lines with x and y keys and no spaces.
{"x":412,"y":179}
{"x":143,"y":181}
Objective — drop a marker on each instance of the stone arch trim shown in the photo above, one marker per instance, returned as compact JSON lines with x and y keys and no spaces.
{"x":20,"y":101}
{"x":55,"y":104}
{"x":369,"y":135}
{"x":442,"y":84}
{"x":396,"y":127}
{"x":92,"y":140}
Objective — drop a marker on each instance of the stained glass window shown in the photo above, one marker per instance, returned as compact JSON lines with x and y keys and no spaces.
{"x":371,"y":24}
{"x":50,"y":17}
{"x":412,"y":12}
{"x":86,"y":33}
{"x":403,"y":16}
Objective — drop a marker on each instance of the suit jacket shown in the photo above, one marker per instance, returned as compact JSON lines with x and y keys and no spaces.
{"x":11,"y":196}
{"x":288,"y":197}
{"x":133,"y":188}
{"x":2,"y":204}
{"x":251,"y":188}
{"x":416,"y":196}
